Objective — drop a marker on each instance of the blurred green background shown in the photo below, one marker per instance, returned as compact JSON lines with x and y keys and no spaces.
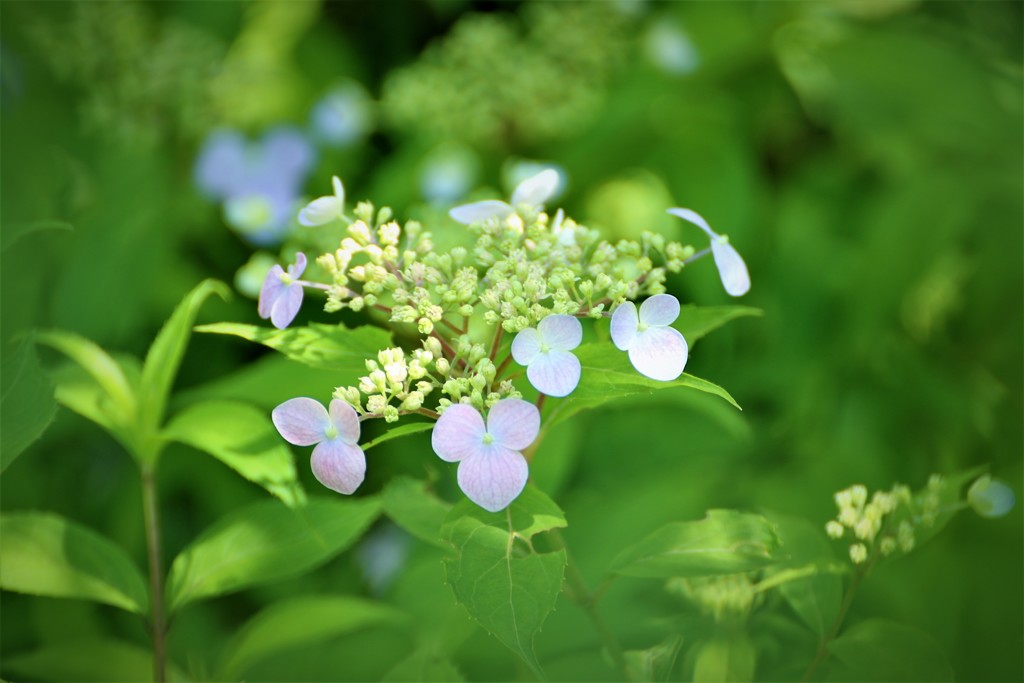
{"x":864,"y":157}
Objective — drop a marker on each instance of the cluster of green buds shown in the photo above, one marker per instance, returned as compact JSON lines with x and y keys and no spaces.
{"x":726,"y":598}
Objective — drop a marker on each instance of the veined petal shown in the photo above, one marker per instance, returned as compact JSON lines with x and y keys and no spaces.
{"x":270,"y":291}
{"x":659,"y":353}
{"x":555,"y":373}
{"x":339,"y":190}
{"x":695,"y":218}
{"x":339,"y":466}
{"x":514,"y":423}
{"x":561,"y":332}
{"x":345,"y":420}
{"x":625,"y":322}
{"x":301,"y":421}
{"x":526,"y":346}
{"x":459,"y":433}
{"x":478,"y":212}
{"x":494,"y":477}
{"x":731,"y":268}
{"x":320,"y":211}
{"x":286,"y":306}
{"x":660,"y":310}
{"x":536,"y":189}
{"x":299,"y":267}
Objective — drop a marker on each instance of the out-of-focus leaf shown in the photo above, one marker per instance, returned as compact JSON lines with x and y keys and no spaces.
{"x":328,"y":347}
{"x":44,"y":554}
{"x":697,"y":321}
{"x":164,"y":356}
{"x":880,"y":650}
{"x":654,"y":663}
{"x":945,"y":499}
{"x":95,"y":659}
{"x":506,"y":585}
{"x":814,"y":597}
{"x":264,"y":542}
{"x":424,"y":665}
{"x":13,"y":232}
{"x":26,"y":401}
{"x":299,"y":622}
{"x":244,"y":439}
{"x":724,"y":658}
{"x":724,"y":542}
{"x":266,"y":382}
{"x":411,"y":506}
{"x":398,"y":432}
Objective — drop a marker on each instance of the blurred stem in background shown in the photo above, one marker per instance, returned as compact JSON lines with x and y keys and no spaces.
{"x":151,"y":514}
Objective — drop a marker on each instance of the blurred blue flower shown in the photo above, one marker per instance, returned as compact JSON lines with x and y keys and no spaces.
{"x":670,"y":49}
{"x":343,"y":116}
{"x":447,"y":174}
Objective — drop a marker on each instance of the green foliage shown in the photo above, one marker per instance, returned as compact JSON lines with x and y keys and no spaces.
{"x":729,"y":658}
{"x":655,"y":663}
{"x":724,"y":542}
{"x":880,"y":650}
{"x":398,"y":432}
{"x":497,"y":574}
{"x":26,"y":401}
{"x":426,"y":666}
{"x":263,"y":542}
{"x":48,"y":555}
{"x":695,"y":322}
{"x":89,"y":659}
{"x":816,"y":597}
{"x":413,"y":507}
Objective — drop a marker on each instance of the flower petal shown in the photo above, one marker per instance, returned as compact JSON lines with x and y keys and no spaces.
{"x":526,"y":346}
{"x":561,"y":332}
{"x":659,"y":353}
{"x":624,"y":324}
{"x":494,"y":477}
{"x":320,"y":211}
{"x":286,"y":306}
{"x":339,"y":466}
{"x":459,"y":433}
{"x":345,"y":420}
{"x":731,"y":268}
{"x":299,"y":267}
{"x":513,"y":423}
{"x":555,"y":373}
{"x":478,"y":212}
{"x":660,"y":310}
{"x":301,"y":421}
{"x":990,"y":497}
{"x":695,"y":218}
{"x":270,"y":291}
{"x":339,"y":190}
{"x":536,"y":189}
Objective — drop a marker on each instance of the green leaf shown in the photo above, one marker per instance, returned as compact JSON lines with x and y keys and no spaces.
{"x":13,"y":232}
{"x":608,"y":375}
{"x":44,"y":554}
{"x":815,"y":597}
{"x":266,"y":541}
{"x":495,"y":573}
{"x":879,"y":650}
{"x":26,"y":401}
{"x":244,"y":439}
{"x":724,"y":542}
{"x":164,"y":356}
{"x":724,"y":658}
{"x":654,"y":663}
{"x":327,"y":347}
{"x":398,"y":432}
{"x":424,"y":665}
{"x":93,"y":659}
{"x":697,"y":321}
{"x":300,"y":622}
{"x":411,"y":506}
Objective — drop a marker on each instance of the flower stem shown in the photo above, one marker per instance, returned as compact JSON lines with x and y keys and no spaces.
{"x":699,"y":255}
{"x":587,"y":601}
{"x":151,"y":517}
{"x":497,"y":342}
{"x":822,"y":654}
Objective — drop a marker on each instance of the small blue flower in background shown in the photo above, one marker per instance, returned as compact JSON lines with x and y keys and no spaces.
{"x":259,"y":181}
{"x":447,"y":173}
{"x":342,"y":117}
{"x":670,"y":49}
{"x":990,"y":497}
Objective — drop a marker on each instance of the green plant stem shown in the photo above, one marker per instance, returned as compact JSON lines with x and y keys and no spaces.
{"x":587,"y":601}
{"x":822,"y":654}
{"x":151,"y":516}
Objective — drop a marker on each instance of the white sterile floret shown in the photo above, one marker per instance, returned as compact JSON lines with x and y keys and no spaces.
{"x":337,"y":461}
{"x":529,"y":194}
{"x":545,"y":351}
{"x":323,"y":210}
{"x":731,"y":268}
{"x":656,"y":349}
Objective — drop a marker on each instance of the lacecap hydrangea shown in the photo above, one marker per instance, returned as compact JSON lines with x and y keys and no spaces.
{"x":493,"y":322}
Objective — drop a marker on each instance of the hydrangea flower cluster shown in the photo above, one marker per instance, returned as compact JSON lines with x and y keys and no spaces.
{"x":518,"y":292}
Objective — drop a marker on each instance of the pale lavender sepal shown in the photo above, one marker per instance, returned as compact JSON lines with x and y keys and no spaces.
{"x":346,"y":421}
{"x":696,"y":219}
{"x":990,"y":497}
{"x":659,"y":353}
{"x":526,"y":346}
{"x":514,"y":423}
{"x":494,"y":477}
{"x":286,"y":306}
{"x":320,"y":211}
{"x":536,"y":189}
{"x":561,"y":332}
{"x":555,"y":373}
{"x":301,"y":421}
{"x":339,"y":466}
{"x":731,"y":268}
{"x":624,"y":325}
{"x":458,"y":434}
{"x":660,"y":310}
{"x":299,"y":267}
{"x":478,"y":212}
{"x":270,"y":290}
